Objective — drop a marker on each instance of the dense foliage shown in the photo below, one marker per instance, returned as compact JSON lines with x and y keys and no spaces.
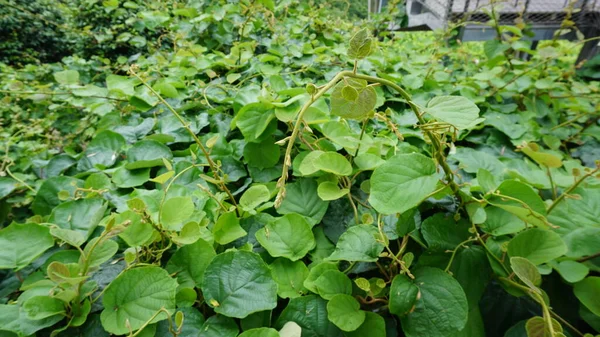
{"x":265,"y":168}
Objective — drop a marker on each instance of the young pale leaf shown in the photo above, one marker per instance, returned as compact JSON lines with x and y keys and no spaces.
{"x":137,"y":231}
{"x":358,"y":243}
{"x":70,"y":237}
{"x":315,"y":272}
{"x":67,"y":77}
{"x":228,"y":229}
{"x":542,"y":158}
{"x":309,"y":313}
{"x":537,"y":245}
{"x":358,"y":108}
{"x":328,"y":190}
{"x":290,"y":277}
{"x":333,"y":282}
{"x":402,"y":183}
{"x":403,"y":295}
{"x":290,"y":329}
{"x":587,"y":292}
{"x":360,"y":45}
{"x":344,"y":311}
{"x":455,"y":110}
{"x":537,"y":327}
{"x":135,"y":296}
{"x":527,"y":272}
{"x":23,"y":243}
{"x":175,"y":211}
{"x":254,"y":196}
{"x":189,"y":263}
{"x":373,"y":326}
{"x":349,"y":93}
{"x":289,"y":236}
{"x":239,"y":283}
{"x":333,"y":162}
{"x":442,"y":309}
{"x":307,"y":166}
{"x":98,"y":253}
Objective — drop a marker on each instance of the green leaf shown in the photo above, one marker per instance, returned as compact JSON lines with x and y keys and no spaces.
{"x":442,"y":309}
{"x":403,"y":295}
{"x":175,"y":211}
{"x":443,"y":233}
{"x":13,"y":318}
{"x":587,"y":292}
{"x":302,"y":198}
{"x":360,"y":44}
{"x":100,"y":253}
{"x":260,"y":332}
{"x":137,"y":231}
{"x":333,"y":282}
{"x":373,"y":326}
{"x":262,"y":155}
{"x":368,"y":161}
{"x":82,"y":215}
{"x":527,"y":272}
{"x":358,"y":108}
{"x":166,"y":89}
{"x":189,"y":263}
{"x":23,"y":243}
{"x":522,"y":201}
{"x":47,"y":196}
{"x":122,"y":85}
{"x":254,"y":196}
{"x":500,"y":222}
{"x":147,"y":153}
{"x":349,"y":93}
{"x":135,"y":296}
{"x":582,"y":242}
{"x":290,"y":329}
{"x":486,"y":180}
{"x":67,"y":77}
{"x":7,"y":186}
{"x":402,"y":183}
{"x":455,"y":110}
{"x":40,"y":307}
{"x":307,"y":166}
{"x":254,"y":120}
{"x":125,"y":178}
{"x":315,"y":272}
{"x":309,"y":313}
{"x":537,"y":327}
{"x":219,"y":326}
{"x":358,"y":243}
{"x":344,"y":311}
{"x":572,"y":271}
{"x":329,"y":190}
{"x":537,"y":245}
{"x":290,"y":277}
{"x":228,"y":229}
{"x":239,"y":283}
{"x":289,"y":236}
{"x":189,"y":234}
{"x":333,"y":162}
{"x":68,"y":236}
{"x":542,"y":158}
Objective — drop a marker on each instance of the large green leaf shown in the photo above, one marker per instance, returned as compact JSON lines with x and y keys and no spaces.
{"x":47,"y":196}
{"x":344,"y":311}
{"x":358,"y":243}
{"x":587,"y":292}
{"x":14,"y":318}
{"x":7,"y":186}
{"x":219,"y":326}
{"x":239,"y":283}
{"x":455,"y":110}
{"x":175,"y":211}
{"x":537,"y":245}
{"x":403,"y":295}
{"x":254,"y":197}
{"x":310,"y":313}
{"x":302,"y":198}
{"x":22,"y":243}
{"x":331,"y":283}
{"x":136,"y":296}
{"x":442,"y":309}
{"x":147,"y":153}
{"x":262,"y":155}
{"x":582,"y":242}
{"x":82,"y":215}
{"x":290,"y":277}
{"x":373,"y":326}
{"x":255,"y":120}
{"x":333,"y":162}
{"x":402,"y":183}
{"x":228,"y":229}
{"x":443,"y":233}
{"x":289,"y":236}
{"x":189,"y":263}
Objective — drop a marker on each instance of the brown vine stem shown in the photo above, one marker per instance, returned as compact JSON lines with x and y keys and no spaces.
{"x":570,"y":189}
{"x":201,"y":146}
{"x":435,"y":142}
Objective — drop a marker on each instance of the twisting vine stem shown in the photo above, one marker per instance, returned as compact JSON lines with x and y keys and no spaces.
{"x":211,"y":163}
{"x":435,"y":141}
